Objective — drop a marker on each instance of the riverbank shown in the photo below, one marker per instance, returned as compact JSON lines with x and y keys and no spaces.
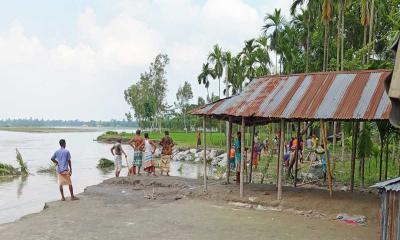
{"x":46,"y":129}
{"x":182,"y":139}
{"x":176,"y":208}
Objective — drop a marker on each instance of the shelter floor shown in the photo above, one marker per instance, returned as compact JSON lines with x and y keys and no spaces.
{"x":174,"y":208}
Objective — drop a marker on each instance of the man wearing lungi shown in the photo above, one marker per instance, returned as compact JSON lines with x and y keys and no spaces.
{"x":62,"y":159}
{"x":137,"y":143}
{"x":167,"y":143}
{"x":117,"y":152}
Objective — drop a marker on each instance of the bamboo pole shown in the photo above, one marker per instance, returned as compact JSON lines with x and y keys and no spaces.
{"x":253,"y":130}
{"x":242,"y":160}
{"x":353,"y":154}
{"x":280,"y":166}
{"x":297,"y":154}
{"x":228,"y":148}
{"x":205,"y":153}
{"x":328,"y":164}
{"x":279,"y":154}
{"x":334,"y":145}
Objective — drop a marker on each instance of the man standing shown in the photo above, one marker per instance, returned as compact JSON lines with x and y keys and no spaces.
{"x":198,"y":138}
{"x":62,"y":159}
{"x":117,"y":152}
{"x":137,"y":144}
{"x":167,"y":143}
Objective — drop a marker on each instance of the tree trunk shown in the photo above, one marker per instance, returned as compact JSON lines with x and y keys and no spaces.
{"x":325,"y":46}
{"x":362,"y":170}
{"x":364,"y":42}
{"x":338,"y":38}
{"x":184,"y":123}
{"x":342,"y":37}
{"x":371,"y":25}
{"x":387,"y":160}
{"x":308,"y":42}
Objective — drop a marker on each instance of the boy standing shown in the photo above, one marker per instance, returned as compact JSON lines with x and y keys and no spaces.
{"x":62,"y":159}
{"x":117,"y":152}
{"x":137,"y":143}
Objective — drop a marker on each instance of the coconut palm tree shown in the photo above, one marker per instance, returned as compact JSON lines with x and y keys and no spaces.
{"x":202,"y":78}
{"x":275,"y":21}
{"x":216,"y":57}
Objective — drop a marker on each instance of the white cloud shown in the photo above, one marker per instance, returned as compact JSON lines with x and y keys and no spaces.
{"x":86,"y":79}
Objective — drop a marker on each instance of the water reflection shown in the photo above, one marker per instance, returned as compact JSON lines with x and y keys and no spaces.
{"x":21,"y":185}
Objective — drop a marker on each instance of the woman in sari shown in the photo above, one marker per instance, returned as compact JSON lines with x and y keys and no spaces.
{"x":149,"y":148}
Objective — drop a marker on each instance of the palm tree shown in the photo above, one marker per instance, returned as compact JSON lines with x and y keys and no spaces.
{"x":216,"y":57}
{"x":249,"y":58}
{"x":275,"y":21}
{"x":262,"y":56}
{"x":238,"y":74}
{"x":312,"y":8}
{"x":301,"y":22}
{"x":227,"y":62}
{"x":206,"y":71}
{"x":326,"y":16}
{"x":365,"y":19}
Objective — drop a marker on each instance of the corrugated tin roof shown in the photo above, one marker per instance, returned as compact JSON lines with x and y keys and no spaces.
{"x":328,"y":95}
{"x":389,"y":185}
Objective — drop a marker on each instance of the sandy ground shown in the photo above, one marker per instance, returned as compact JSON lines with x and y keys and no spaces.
{"x":175,"y":208}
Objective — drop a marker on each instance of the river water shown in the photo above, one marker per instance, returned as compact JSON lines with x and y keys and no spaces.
{"x":24,"y":195}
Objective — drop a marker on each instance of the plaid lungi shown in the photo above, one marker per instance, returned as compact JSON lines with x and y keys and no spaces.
{"x":148,"y":160}
{"x":138,"y":158}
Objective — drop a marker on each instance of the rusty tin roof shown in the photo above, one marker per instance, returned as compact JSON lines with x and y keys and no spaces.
{"x":346,"y":95}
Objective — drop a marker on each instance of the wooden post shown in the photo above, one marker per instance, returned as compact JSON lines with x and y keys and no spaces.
{"x":242,"y":160}
{"x":353,"y":154}
{"x":205,"y":153}
{"x":280,"y":166}
{"x":228,"y":147}
{"x":328,"y":164}
{"x":334,"y":145}
{"x":297,"y":154}
{"x":279,"y":155}
{"x":253,"y":130}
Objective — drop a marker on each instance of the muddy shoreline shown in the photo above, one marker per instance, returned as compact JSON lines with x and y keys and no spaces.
{"x":134,"y":199}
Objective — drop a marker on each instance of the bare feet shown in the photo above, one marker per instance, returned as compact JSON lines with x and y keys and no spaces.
{"x":74,"y":198}
{"x":63,"y":199}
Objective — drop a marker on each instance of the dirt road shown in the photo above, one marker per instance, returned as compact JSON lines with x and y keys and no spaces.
{"x":169,"y":209}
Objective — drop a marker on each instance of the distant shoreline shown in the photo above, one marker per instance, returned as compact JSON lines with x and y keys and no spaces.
{"x":47,"y":129}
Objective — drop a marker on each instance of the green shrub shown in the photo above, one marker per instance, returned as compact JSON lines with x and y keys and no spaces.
{"x":22,"y":164}
{"x":105,"y":163}
{"x":7,"y":170}
{"x":51,"y":168}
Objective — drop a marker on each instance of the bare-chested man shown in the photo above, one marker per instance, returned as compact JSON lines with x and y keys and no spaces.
{"x":137,"y":143}
{"x":117,"y":152}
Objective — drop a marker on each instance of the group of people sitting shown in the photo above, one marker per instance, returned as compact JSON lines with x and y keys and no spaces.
{"x":144,"y":149}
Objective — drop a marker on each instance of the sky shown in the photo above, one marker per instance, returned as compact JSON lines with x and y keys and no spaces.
{"x":71,"y":59}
